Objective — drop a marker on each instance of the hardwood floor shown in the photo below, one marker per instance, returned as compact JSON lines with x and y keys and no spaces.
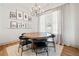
{"x":67,"y":51}
{"x":3,"y":51}
{"x":70,"y":51}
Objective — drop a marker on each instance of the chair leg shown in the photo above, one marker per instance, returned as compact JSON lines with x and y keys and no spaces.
{"x":47,"y":51}
{"x":18,"y":48}
{"x":21,"y":50}
{"x":36,"y":52}
{"x":54,"y":46}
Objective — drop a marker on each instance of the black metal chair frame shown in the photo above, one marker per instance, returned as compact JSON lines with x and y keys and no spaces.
{"x":23,"y":42}
{"x":53,"y":41}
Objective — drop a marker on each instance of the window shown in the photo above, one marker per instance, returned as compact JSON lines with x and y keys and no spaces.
{"x":49,"y":22}
{"x":55,"y":22}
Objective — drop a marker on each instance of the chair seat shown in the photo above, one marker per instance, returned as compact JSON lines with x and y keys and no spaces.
{"x":40,"y":44}
{"x":26,"y":43}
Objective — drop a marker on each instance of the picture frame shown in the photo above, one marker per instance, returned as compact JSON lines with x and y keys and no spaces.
{"x":13,"y":15}
{"x":22,"y":25}
{"x":13,"y":24}
{"x":19,"y":15}
{"x":25,"y":16}
{"x":19,"y":25}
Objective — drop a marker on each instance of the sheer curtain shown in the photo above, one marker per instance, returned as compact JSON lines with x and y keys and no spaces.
{"x":52,"y":22}
{"x":60,"y":26}
{"x":57,"y":25}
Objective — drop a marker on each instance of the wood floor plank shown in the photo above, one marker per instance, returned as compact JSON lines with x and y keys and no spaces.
{"x":70,"y":51}
{"x":3,"y":51}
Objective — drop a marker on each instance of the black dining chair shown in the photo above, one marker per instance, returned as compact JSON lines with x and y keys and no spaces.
{"x":51,"y":37}
{"x":23,"y":41}
{"x":40,"y":46}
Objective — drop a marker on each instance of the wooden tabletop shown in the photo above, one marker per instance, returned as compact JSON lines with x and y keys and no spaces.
{"x":36,"y":35}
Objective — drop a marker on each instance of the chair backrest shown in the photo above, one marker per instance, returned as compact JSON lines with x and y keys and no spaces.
{"x":21,"y":38}
{"x":52,"y":35}
{"x":23,"y":34}
{"x":40,"y":40}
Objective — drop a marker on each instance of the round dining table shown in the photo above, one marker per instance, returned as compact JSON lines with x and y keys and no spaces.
{"x":37,"y":35}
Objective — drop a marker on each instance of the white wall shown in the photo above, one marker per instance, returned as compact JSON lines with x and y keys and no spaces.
{"x":76,"y":10}
{"x":7,"y":34}
{"x":68,"y":28}
{"x":70,"y":25}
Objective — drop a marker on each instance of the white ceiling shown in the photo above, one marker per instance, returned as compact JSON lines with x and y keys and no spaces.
{"x":27,"y":6}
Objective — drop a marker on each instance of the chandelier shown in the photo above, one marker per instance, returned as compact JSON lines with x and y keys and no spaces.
{"x":36,"y":10}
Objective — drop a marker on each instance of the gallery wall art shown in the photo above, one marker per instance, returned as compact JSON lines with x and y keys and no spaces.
{"x":19,"y":20}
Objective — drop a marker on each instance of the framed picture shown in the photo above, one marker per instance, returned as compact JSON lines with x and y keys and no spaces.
{"x":23,"y":26}
{"x":13,"y":15}
{"x":25,"y":16}
{"x":13,"y":24}
{"x":19,"y":15}
{"x":19,"y":25}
